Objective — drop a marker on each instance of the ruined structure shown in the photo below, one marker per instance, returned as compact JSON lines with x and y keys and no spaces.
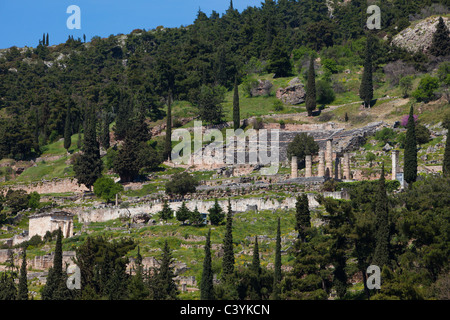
{"x":50,"y":221}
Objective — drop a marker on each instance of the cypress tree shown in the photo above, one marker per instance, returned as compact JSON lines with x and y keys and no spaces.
{"x":166,"y":274}
{"x":137,"y":288}
{"x":440,"y":45}
{"x":228,"y":254}
{"x":105,"y":141}
{"x":55,"y":287}
{"x":446,"y":164}
{"x":311,"y":88}
{"x":366,"y":88}
{"x":88,"y":166}
{"x":410,"y":158}
{"x":206,"y":284}
{"x":277,"y":265}
{"x":168,"y":141}
{"x":67,"y":130}
{"x":256,"y":264}
{"x":381,"y":254}
{"x":23,"y":286}
{"x":302,"y":217}
{"x":236,"y":111}
{"x":216,"y":214}
{"x":46,"y":40}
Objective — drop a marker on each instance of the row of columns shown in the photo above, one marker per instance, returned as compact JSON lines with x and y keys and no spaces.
{"x":325,"y":164}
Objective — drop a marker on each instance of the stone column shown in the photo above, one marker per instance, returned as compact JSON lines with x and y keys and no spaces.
{"x":395,"y":154}
{"x":308,"y":166}
{"x":294,"y":168}
{"x":321,"y":172}
{"x":337,"y":168}
{"x":347,"y":166}
{"x":329,"y":157}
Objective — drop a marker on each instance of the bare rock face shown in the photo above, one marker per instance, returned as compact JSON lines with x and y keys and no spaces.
{"x":293,"y":94}
{"x":262,"y":89}
{"x":418,"y":37}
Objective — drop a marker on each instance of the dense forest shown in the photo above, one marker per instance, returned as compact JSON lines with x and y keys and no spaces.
{"x":120,"y":77}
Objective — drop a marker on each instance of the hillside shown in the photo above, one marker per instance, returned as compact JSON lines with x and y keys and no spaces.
{"x":83,"y":130}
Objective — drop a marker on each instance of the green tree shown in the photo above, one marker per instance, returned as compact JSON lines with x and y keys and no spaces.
{"x":22,"y":293}
{"x":410,"y":157}
{"x":446,"y":164}
{"x":8,"y":290}
{"x":302,"y":145}
{"x":216,"y":214}
{"x":196,"y":217}
{"x":88,"y":166}
{"x":325,"y":93}
{"x":277,"y":275}
{"x":107,"y":189}
{"x":311,"y":89}
{"x":137,"y":288}
{"x":67,"y":130}
{"x":206,"y":283}
{"x":279,"y":60}
{"x":427,"y":86}
{"x":256,"y":263}
{"x":104,"y":137}
{"x":366,"y":88}
{"x":55,"y":287}
{"x":228,"y":250}
{"x":236,"y":112}
{"x":166,"y":213}
{"x":181,"y":184}
{"x":168,"y":140}
{"x":183,"y":213}
{"x":209,"y":103}
{"x":440,"y":45}
{"x":382,"y":236}
{"x":406,"y":84}
{"x":302,"y":217}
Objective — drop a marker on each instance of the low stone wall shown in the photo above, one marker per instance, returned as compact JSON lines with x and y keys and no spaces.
{"x":49,"y":186}
{"x":86,"y":215}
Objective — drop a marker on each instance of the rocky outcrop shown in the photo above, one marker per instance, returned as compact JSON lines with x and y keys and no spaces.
{"x":262,"y":89}
{"x":293,"y":94}
{"x":418,"y":36}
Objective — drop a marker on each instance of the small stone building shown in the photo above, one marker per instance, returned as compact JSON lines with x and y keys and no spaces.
{"x":39,"y":224}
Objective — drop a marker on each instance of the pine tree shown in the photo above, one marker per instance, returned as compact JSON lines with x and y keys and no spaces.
{"x":67,"y":130}
{"x":366,"y":88}
{"x":196,"y":217}
{"x":168,"y":141}
{"x":183,"y":213}
{"x":228,"y":252}
{"x":206,"y":284}
{"x":410,"y":157}
{"x":166,"y":213}
{"x":236,"y":111}
{"x":216,"y":214}
{"x":23,"y":286}
{"x":88,"y":166}
{"x":440,"y":45}
{"x":277,"y":265}
{"x":381,"y":254}
{"x":302,"y":217}
{"x":311,"y":89}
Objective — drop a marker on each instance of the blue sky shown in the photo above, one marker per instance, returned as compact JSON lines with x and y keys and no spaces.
{"x":23,"y":22}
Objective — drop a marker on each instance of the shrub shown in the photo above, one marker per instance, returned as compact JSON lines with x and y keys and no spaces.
{"x":385,"y":135}
{"x":427,"y":86}
{"x":278,"y":105}
{"x":106,"y":188}
{"x":324,"y":91}
{"x":181,"y":184}
{"x":423,"y":135}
